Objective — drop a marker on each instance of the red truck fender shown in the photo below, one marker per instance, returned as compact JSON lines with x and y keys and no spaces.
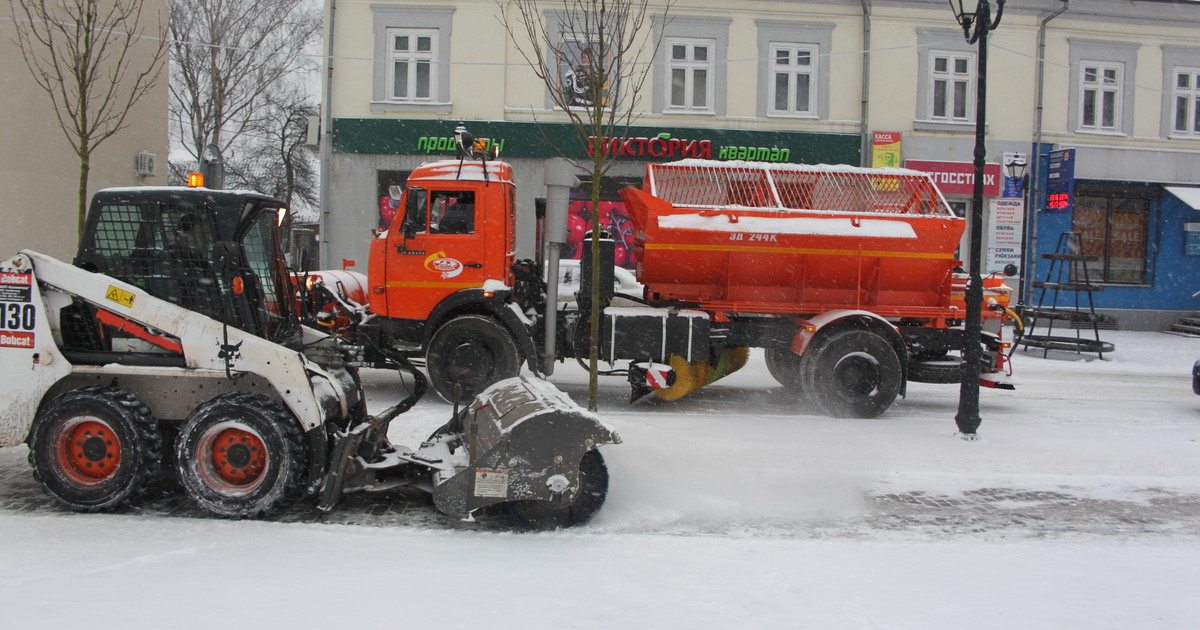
{"x":810,"y":328}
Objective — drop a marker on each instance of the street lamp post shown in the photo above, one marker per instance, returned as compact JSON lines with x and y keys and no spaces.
{"x":1016,"y":164}
{"x":975,"y":27}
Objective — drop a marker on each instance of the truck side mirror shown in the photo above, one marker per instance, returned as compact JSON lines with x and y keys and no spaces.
{"x":414,"y":212}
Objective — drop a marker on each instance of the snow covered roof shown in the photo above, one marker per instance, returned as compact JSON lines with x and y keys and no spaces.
{"x":463,"y":170}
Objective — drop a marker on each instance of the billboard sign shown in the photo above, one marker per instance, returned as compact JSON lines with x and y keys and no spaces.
{"x":958,"y":178}
{"x":1060,"y":182}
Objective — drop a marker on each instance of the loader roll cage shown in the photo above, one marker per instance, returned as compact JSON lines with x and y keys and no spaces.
{"x":217,"y":253}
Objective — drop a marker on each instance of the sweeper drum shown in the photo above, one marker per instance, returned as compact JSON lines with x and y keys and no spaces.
{"x":530,"y":448}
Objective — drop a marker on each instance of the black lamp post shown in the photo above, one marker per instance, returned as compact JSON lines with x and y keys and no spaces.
{"x":976,"y":25}
{"x":1017,"y":164}
{"x":1016,"y":167}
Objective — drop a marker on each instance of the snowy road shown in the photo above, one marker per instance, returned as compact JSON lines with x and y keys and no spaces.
{"x":1078,"y":508}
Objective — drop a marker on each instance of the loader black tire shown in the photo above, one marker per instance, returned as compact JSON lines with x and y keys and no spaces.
{"x":469,"y":353}
{"x":852,"y":373}
{"x":94,"y":448}
{"x":784,"y":366}
{"x":239,"y":455}
{"x":542,"y":515}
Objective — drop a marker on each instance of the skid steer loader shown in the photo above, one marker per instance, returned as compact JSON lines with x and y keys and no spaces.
{"x":173,"y":344}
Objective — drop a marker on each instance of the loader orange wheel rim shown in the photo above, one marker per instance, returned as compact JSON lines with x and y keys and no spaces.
{"x":239,"y":457}
{"x":88,"y":452}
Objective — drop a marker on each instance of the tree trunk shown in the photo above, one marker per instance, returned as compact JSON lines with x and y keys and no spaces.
{"x":85,"y":157}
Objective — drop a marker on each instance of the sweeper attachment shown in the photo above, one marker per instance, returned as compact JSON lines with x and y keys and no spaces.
{"x":521,"y":443}
{"x":142,"y":356}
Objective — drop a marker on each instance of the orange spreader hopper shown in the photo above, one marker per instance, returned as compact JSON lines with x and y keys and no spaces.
{"x":748,"y":237}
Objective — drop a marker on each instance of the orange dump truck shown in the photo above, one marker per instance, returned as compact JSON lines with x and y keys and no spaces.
{"x":845,"y":277}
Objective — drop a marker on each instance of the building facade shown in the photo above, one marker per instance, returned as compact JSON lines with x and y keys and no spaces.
{"x":869,"y":82}
{"x":39,"y":171}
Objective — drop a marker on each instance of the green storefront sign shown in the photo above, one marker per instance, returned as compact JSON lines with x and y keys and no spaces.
{"x":547,"y":140}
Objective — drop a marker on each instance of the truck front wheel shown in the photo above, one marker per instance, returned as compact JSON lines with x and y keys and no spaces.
{"x":239,"y":455}
{"x":94,"y":447}
{"x":469,"y":353}
{"x":852,"y":373}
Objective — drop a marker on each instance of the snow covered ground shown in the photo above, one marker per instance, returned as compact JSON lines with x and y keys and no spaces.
{"x":1079,"y":507}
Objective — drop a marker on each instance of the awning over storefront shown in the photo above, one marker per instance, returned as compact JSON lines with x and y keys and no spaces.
{"x":1190,"y":196}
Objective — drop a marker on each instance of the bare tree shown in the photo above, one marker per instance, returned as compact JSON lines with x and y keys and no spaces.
{"x":594,"y":58}
{"x":95,"y":60}
{"x":228,"y":58}
{"x":279,"y":162}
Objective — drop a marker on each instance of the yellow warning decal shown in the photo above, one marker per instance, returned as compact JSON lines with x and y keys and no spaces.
{"x":124,"y":298}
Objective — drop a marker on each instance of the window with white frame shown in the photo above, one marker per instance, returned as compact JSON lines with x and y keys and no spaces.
{"x":690,"y":72}
{"x":793,"y":79}
{"x":952,"y":86}
{"x":412,"y":55}
{"x":1100,"y":97}
{"x":1186,"y":117}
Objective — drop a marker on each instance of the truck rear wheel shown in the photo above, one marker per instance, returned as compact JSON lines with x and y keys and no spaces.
{"x":93,"y":448}
{"x":852,"y":373}
{"x":593,"y":488}
{"x":784,"y":366}
{"x":469,"y":353}
{"x":239,"y":455}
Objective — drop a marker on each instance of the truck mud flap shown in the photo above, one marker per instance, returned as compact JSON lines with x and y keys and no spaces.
{"x":524,"y":441}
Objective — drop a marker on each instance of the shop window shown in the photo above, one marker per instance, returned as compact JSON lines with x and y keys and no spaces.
{"x":1100,"y":87}
{"x":946,"y":81}
{"x":1115,"y":229}
{"x":1186,"y":114}
{"x":614,"y":219}
{"x":952,"y":80}
{"x":412,"y":45}
{"x":793,"y":86}
{"x":690,"y":70}
{"x":690,"y":66}
{"x":1099,"y":99}
{"x":412,"y":58}
{"x":792,"y":80}
{"x":389,"y":188}
{"x":583,"y":78}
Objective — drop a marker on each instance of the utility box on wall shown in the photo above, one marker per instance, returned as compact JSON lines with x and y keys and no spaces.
{"x":1191,"y":239}
{"x":146,"y":164}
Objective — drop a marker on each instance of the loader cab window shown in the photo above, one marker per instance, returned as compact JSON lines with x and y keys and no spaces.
{"x":126,"y":241}
{"x":190,"y":234}
{"x":117,"y":230}
{"x":264,"y":286}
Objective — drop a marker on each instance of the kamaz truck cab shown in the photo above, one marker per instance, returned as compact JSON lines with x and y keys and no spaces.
{"x":442,"y":277}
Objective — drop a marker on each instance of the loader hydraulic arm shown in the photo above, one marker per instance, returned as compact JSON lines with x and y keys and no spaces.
{"x":203,"y":341}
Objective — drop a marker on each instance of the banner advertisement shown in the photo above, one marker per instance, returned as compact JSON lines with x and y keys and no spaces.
{"x":1005,"y":234}
{"x":885,"y":149}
